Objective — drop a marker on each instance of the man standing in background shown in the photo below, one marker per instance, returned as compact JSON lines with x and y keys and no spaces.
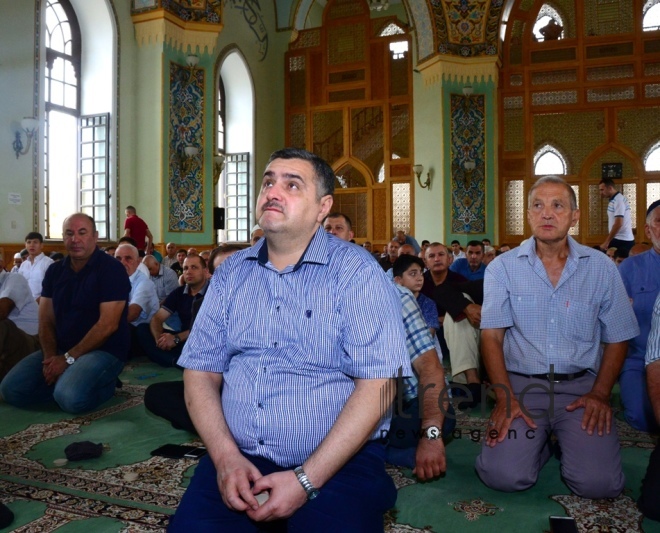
{"x":137,"y":229}
{"x":619,"y":220}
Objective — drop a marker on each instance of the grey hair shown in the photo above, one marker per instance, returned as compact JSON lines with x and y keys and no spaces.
{"x":555,"y":180}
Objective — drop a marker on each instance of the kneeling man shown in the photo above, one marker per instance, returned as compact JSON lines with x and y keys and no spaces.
{"x":82,"y":328}
{"x":548,"y":306}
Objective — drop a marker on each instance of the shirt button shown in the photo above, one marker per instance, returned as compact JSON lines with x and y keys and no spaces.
{"x":260,"y":405}
{"x":275,"y":344}
{"x":278,"y":308}
{"x":261,"y":442}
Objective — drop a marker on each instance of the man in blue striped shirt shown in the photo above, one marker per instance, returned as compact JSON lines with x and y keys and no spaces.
{"x":303,"y":332}
{"x":548,"y":306}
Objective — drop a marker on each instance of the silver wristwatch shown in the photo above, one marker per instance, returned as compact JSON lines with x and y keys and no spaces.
{"x":432,"y":432}
{"x":311,"y":490}
{"x":69,"y":359}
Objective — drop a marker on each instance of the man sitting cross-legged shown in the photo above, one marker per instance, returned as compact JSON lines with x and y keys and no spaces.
{"x":142,"y":300}
{"x":164,"y":347}
{"x":19,"y":321}
{"x":422,"y":410}
{"x":166,"y":399}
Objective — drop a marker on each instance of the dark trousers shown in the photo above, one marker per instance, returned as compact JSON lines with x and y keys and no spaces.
{"x":166,"y":400}
{"x":622,"y":245}
{"x":649,"y":501}
{"x":352,"y":501}
{"x":148,"y":344}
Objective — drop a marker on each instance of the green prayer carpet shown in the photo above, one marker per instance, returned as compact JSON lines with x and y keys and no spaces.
{"x":128,"y":490}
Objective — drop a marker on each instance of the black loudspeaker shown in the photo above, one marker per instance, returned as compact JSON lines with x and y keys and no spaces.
{"x":218,"y":218}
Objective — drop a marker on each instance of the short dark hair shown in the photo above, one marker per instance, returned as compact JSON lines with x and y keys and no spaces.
{"x":128,"y":240}
{"x":130,"y":208}
{"x":325,"y":176}
{"x":337,"y":214}
{"x":223,"y":249}
{"x":34,"y":235}
{"x":181,"y":251}
{"x":608,"y":182}
{"x":404,"y":262}
{"x":455,"y":242}
{"x":425,"y":242}
{"x":476,"y":243}
{"x":201,"y":259}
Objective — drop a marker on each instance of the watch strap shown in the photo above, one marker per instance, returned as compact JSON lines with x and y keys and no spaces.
{"x":311,"y":491}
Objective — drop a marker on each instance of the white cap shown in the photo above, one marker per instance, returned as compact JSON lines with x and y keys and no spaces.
{"x":488,"y":249}
{"x":17,"y":255}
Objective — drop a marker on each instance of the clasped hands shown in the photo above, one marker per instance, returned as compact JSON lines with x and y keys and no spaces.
{"x":239,"y":481}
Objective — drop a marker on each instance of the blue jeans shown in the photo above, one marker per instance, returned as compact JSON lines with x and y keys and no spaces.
{"x":352,"y":501}
{"x":83,"y":386}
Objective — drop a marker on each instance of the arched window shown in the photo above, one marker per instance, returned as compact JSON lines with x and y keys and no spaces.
{"x":235,"y":130}
{"x":548,"y":160}
{"x":651,"y":12}
{"x":62,"y":98}
{"x":78,"y":99}
{"x":546,"y":14}
{"x":652,"y":160}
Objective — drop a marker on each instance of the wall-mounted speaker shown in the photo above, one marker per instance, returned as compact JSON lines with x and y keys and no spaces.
{"x":218,"y":218}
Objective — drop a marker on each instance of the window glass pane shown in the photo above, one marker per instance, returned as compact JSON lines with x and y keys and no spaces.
{"x":86,"y":151}
{"x":86,"y":181}
{"x":57,"y":72}
{"x":100,"y":133}
{"x":86,"y":166}
{"x":69,"y":73}
{"x":57,"y":93}
{"x":99,"y":165}
{"x":99,"y":149}
{"x":86,"y":198}
{"x":70,"y":97}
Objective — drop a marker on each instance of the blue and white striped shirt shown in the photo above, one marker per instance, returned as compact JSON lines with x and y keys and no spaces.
{"x":562,"y":325}
{"x":653,"y":344}
{"x":290,"y":343}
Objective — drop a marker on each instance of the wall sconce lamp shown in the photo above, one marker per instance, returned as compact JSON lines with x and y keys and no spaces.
{"x":185,"y":159}
{"x":192,"y":60}
{"x":29,"y":125}
{"x":218,"y":165}
{"x":468,"y":91}
{"x":418,"y":169}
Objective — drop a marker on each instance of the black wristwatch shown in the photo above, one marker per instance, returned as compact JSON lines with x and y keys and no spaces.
{"x":177,"y":340}
{"x":311,"y":490}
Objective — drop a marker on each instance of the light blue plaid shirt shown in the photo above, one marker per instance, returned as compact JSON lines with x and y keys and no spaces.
{"x":418,"y":337}
{"x":290,"y":343}
{"x":653,"y":343}
{"x":562,"y":325}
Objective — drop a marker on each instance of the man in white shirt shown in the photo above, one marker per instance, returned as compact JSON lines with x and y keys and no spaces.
{"x":619,"y":219}
{"x":19,"y":321}
{"x":33,"y":269}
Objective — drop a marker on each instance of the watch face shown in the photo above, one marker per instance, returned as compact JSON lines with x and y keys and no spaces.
{"x":432,"y":432}
{"x":70,"y":360}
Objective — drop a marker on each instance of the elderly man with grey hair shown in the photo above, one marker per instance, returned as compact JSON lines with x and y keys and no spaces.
{"x":555,"y":324}
{"x":164,"y":278}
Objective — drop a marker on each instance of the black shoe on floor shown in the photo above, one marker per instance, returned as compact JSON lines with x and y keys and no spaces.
{"x":6,"y":516}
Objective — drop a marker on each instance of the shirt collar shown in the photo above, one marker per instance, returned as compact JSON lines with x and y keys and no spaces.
{"x":316,"y":251}
{"x":575,"y":251}
{"x":202,"y":291}
{"x":90,"y":262}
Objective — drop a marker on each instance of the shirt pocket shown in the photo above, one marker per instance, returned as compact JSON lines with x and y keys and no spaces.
{"x":578,"y":321}
{"x":525,"y":311}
